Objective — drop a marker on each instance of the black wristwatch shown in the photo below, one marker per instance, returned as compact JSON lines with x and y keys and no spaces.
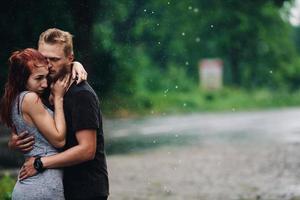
{"x":38,"y":164}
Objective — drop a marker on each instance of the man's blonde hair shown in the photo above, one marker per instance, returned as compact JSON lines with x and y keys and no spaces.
{"x":57,"y":36}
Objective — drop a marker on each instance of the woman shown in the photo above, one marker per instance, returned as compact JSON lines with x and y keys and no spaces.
{"x":22,"y":109}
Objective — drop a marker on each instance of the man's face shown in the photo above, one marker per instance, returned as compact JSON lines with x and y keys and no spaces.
{"x":56,"y":57}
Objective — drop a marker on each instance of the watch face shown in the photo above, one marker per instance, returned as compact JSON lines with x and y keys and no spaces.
{"x":38,"y":165}
{"x":35,"y":164}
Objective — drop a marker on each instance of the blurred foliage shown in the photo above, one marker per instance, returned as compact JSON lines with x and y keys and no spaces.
{"x":296,"y":37}
{"x":173,"y":101}
{"x":6,"y":187}
{"x":133,"y":49}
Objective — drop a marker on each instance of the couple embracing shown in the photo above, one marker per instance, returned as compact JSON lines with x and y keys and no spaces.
{"x":57,"y":123}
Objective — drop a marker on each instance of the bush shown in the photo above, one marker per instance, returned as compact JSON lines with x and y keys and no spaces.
{"x":6,"y":187}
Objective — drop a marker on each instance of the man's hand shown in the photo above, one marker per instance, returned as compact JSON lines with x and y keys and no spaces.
{"x":27,"y":169}
{"x":22,"y":142}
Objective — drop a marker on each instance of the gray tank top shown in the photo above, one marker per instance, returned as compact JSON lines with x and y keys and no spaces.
{"x":41,"y":146}
{"x":48,"y":184}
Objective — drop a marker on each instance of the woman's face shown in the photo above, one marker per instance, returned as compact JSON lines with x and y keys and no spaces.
{"x":37,"y":81}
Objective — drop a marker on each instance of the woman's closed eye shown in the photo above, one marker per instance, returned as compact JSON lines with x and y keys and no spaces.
{"x":38,"y":78}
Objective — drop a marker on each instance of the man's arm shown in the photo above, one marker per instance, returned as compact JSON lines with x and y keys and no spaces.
{"x":84,"y":151}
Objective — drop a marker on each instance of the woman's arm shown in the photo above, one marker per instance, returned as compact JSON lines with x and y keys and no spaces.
{"x":54,"y":129}
{"x":78,"y":72}
{"x":33,"y":108}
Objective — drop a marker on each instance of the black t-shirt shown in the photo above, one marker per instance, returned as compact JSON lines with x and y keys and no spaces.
{"x":82,"y":111}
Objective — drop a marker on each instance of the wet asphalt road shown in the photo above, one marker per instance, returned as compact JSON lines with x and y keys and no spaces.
{"x":234,"y":155}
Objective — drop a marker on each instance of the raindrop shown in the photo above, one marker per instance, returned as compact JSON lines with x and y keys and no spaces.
{"x":166,"y":91}
{"x":154,"y":141}
{"x":152,"y":12}
{"x":190,"y":7}
{"x":271,"y":72}
{"x":176,"y":135}
{"x":176,"y":86}
{"x":196,"y":10}
{"x":233,"y":109}
{"x":183,"y":33}
{"x":157,"y":24}
{"x":186,"y":63}
{"x":184,"y":105}
{"x":168,"y":2}
{"x":211,"y":26}
{"x":166,"y":189}
{"x":197,"y":39}
{"x":158,"y":42}
{"x":145,"y":10}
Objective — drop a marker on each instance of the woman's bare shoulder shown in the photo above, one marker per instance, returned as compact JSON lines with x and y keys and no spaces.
{"x":30,"y":101}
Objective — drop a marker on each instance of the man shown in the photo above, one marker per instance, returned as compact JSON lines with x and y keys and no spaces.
{"x":83,"y":159}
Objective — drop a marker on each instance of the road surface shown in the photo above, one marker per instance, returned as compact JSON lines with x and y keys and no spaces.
{"x":234,"y":155}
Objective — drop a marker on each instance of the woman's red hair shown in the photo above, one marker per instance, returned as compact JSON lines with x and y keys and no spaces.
{"x":20,"y":66}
